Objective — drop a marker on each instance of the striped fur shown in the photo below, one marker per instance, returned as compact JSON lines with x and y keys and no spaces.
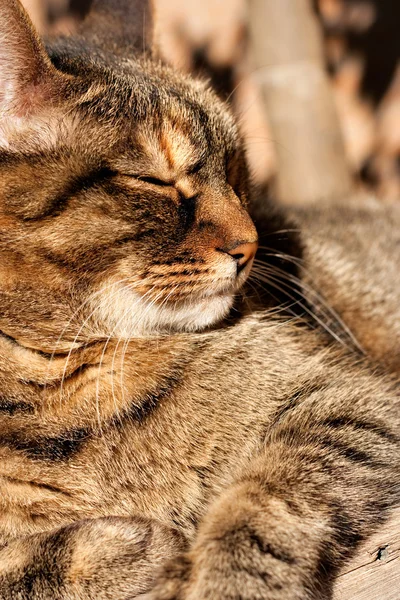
{"x":155,"y":443}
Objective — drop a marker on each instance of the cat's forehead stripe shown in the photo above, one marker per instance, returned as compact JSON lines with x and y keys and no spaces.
{"x":173,"y":149}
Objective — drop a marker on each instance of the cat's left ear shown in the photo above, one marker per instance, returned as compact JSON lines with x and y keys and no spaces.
{"x":28,"y":80}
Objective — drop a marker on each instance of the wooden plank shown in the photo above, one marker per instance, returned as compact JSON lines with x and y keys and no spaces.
{"x":374,"y":574}
{"x":37,"y":12}
{"x":288,"y":55}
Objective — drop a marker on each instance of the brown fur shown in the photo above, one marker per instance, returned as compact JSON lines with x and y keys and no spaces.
{"x":351,"y":256}
{"x":148,"y":446}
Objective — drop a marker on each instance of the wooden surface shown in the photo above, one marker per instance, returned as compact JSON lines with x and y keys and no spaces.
{"x":37,"y":12}
{"x":289,"y":67}
{"x":374,"y":574}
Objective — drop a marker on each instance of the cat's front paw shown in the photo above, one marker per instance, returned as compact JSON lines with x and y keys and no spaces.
{"x":174,"y":583}
{"x":208,"y":575}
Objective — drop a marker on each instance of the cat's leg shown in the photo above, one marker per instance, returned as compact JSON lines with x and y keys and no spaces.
{"x":108,"y":558}
{"x":283,"y":530}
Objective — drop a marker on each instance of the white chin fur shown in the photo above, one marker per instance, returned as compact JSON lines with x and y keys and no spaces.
{"x":127,"y":315}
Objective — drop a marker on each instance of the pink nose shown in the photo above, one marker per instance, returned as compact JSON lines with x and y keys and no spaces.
{"x":243,"y":253}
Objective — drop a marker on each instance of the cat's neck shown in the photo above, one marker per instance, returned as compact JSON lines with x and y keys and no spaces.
{"x":89,"y":386}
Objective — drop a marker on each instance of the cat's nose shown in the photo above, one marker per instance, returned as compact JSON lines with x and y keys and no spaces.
{"x":243,"y":253}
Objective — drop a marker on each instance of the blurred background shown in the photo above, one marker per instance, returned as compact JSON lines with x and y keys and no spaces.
{"x":315,"y":84}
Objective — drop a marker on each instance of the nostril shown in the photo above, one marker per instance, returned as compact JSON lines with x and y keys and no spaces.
{"x":242,"y":252}
{"x":237,"y":257}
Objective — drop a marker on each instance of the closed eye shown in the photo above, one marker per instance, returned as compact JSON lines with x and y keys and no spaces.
{"x":154,"y":181}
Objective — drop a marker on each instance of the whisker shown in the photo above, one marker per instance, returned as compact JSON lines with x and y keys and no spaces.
{"x":125,"y":347}
{"x":75,"y":313}
{"x":119,"y":340}
{"x":96,"y":308}
{"x":277,"y":283}
{"x":132,"y":285}
{"x":301,"y":284}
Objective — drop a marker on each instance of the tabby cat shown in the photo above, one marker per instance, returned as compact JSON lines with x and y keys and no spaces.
{"x":160,"y":439}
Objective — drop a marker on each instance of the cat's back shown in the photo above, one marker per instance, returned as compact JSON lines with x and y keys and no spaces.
{"x":352,"y":258}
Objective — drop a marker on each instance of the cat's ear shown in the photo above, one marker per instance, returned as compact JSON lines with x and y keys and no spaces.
{"x":125,"y":26}
{"x":28,"y":81}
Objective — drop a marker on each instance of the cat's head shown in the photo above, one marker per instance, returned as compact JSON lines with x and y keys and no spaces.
{"x":123,"y":189}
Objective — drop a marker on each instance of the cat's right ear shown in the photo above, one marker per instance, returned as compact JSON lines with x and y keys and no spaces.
{"x":123,"y":26}
{"x":28,"y":80}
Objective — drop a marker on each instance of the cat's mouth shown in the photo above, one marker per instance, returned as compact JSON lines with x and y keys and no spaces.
{"x":131,"y":315}
{"x":174,"y":307}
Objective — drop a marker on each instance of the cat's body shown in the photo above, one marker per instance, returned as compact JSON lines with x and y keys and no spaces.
{"x":195,"y":413}
{"x":140,"y":451}
{"x":352,"y":257}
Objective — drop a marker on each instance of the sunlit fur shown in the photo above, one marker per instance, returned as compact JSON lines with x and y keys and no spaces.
{"x":171,"y":427}
{"x":359,"y":272}
{"x":157,"y":160}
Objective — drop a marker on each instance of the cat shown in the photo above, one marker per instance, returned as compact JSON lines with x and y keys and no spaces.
{"x":164,"y":433}
{"x":352,"y":253}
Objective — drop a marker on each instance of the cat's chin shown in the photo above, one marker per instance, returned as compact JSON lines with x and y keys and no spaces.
{"x":127,"y":315}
